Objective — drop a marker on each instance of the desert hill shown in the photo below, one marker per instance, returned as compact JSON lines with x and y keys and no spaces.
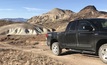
{"x":4,"y":22}
{"x":58,"y":18}
{"x":22,"y":29}
{"x":15,"y":19}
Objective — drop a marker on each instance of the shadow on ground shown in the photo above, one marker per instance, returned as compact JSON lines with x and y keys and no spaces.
{"x":83,"y":54}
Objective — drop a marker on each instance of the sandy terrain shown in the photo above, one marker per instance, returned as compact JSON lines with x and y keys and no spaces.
{"x":39,"y":54}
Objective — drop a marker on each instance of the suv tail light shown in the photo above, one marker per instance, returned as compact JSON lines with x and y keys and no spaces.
{"x":46,"y":35}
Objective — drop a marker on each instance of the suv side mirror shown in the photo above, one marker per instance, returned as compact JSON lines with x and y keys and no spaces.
{"x":88,"y":28}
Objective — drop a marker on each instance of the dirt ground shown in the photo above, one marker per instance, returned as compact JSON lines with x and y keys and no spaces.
{"x":31,"y":50}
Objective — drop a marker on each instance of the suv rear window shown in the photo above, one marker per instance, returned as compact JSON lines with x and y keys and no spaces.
{"x":101,"y":24}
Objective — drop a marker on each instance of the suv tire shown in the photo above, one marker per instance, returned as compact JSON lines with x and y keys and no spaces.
{"x":56,"y":48}
{"x":103,"y":53}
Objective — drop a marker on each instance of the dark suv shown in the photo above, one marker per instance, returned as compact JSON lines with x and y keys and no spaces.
{"x":85,"y":35}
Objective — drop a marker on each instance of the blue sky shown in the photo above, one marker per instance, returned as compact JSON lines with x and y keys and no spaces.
{"x":30,"y":8}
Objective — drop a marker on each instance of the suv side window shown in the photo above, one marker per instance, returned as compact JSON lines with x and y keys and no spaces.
{"x":81,"y":25}
{"x":72,"y":25}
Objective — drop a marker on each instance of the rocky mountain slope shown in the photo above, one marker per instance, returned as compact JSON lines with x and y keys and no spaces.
{"x":52,"y":16}
{"x":58,"y":18}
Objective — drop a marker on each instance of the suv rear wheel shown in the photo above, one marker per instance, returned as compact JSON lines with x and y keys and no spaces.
{"x":56,"y":48}
{"x":103,"y":53}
